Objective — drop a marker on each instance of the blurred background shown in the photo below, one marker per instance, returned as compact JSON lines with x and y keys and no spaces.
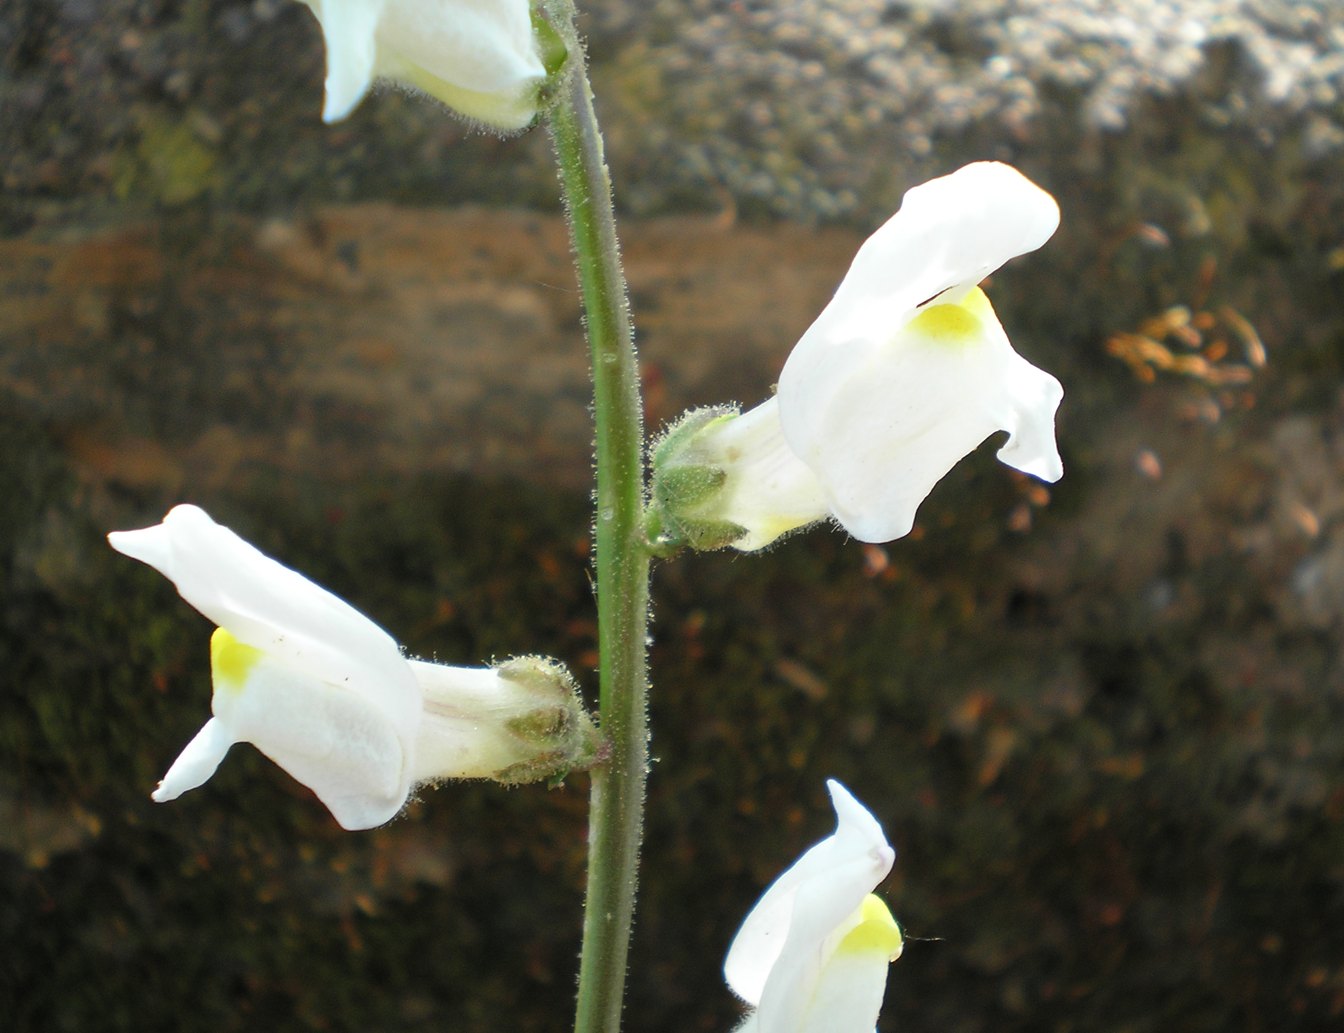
{"x":1103,"y":722}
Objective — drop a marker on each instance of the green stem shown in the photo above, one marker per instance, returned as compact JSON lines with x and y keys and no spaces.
{"x":622,"y":561}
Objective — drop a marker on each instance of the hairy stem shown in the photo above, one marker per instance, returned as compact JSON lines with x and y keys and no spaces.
{"x":622,"y":561}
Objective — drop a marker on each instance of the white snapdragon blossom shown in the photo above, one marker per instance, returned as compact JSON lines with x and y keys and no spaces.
{"x":479,"y":57}
{"x":812,"y":955}
{"x":902,"y":375}
{"x":327,"y":694}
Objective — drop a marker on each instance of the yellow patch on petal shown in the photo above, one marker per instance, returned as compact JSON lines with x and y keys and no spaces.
{"x":958,"y":323}
{"x":231,"y":661}
{"x":977,"y":303}
{"x":876,"y":932}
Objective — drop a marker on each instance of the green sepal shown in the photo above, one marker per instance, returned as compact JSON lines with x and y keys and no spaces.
{"x":540,"y":725}
{"x":550,"y":766}
{"x":554,"y":57}
{"x":540,"y":674}
{"x":563,"y":734}
{"x":679,"y":487}
{"x":708,"y":535}
{"x":683,"y":482}
{"x":677,"y":438}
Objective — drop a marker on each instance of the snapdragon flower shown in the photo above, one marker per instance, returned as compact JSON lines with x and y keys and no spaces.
{"x":479,"y":57}
{"x":905,"y":372}
{"x":326,"y":693}
{"x":812,"y":955}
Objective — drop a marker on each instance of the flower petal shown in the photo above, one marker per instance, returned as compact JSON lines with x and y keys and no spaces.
{"x":1033,"y":398}
{"x":459,"y":735}
{"x":480,"y":57}
{"x":485,"y":46}
{"x":853,"y":979}
{"x":767,"y":489}
{"x":277,"y":610}
{"x":327,"y":736}
{"x":196,"y":763}
{"x":821,"y":906}
{"x":348,"y":29}
{"x":884,"y":423}
{"x":948,"y":235}
{"x":507,"y":111}
{"x":810,"y":899}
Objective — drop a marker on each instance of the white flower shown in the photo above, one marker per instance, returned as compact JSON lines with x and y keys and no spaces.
{"x":812,"y":955}
{"x":907,"y":369}
{"x":327,"y":694}
{"x":479,"y":57}
{"x":902,"y":375}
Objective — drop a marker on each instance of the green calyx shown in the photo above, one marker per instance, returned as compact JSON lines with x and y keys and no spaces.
{"x":685,"y":485}
{"x":556,"y":731}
